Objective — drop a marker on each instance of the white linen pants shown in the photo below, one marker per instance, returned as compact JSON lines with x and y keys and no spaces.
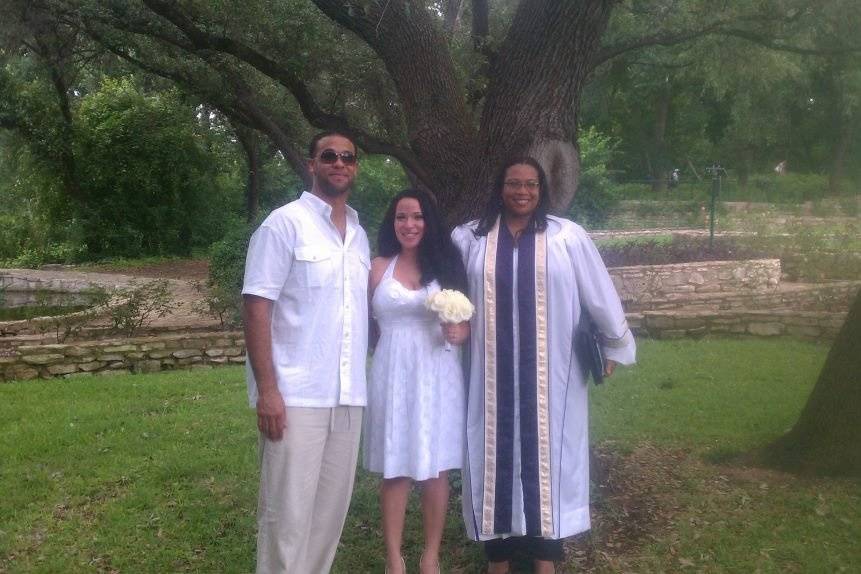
{"x":306,"y":480}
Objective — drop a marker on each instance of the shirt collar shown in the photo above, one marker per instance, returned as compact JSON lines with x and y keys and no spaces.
{"x":325,"y":210}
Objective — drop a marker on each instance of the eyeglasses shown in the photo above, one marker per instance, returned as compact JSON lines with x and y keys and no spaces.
{"x":330,"y":156}
{"x":517,"y":185}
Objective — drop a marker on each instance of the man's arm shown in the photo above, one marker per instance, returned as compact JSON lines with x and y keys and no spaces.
{"x":257,"y":318}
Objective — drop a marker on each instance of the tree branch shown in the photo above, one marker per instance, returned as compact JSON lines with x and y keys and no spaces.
{"x":416,"y":55}
{"x":659,"y":39}
{"x":727,"y":27}
{"x":316,"y":116}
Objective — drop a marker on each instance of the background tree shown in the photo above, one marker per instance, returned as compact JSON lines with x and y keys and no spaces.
{"x":827,"y":436}
{"x":404,"y":76}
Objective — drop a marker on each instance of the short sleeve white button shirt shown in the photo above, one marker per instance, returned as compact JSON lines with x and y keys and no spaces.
{"x":318,"y":283}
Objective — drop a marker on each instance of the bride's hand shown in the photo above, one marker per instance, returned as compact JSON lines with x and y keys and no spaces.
{"x":455,"y":333}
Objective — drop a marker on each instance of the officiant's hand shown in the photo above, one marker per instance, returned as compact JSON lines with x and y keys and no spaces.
{"x":455,"y":333}
{"x":609,"y":366}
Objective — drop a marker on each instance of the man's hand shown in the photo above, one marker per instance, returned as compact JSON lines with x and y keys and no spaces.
{"x":609,"y":366}
{"x":271,"y":415}
{"x":455,"y":333}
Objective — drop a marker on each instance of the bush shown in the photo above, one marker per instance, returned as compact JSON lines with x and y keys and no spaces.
{"x":593,"y":201}
{"x":147,"y":184}
{"x":136,"y":306}
{"x":222,"y":295}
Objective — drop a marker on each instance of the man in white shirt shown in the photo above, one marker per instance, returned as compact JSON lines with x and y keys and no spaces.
{"x":306,"y":317}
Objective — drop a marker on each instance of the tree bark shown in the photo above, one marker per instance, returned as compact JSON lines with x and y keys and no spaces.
{"x":533,"y":98}
{"x":659,"y":171}
{"x":250,"y":143}
{"x":839,"y":150}
{"x":827,"y":437}
{"x":440,"y":127}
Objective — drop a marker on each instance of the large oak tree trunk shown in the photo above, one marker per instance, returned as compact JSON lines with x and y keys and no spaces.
{"x":532,"y":104}
{"x":827,"y":437}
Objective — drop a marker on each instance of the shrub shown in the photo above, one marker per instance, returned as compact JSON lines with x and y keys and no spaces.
{"x":136,"y":306}
{"x":147,"y":184}
{"x":593,"y":201}
{"x":222,"y":296}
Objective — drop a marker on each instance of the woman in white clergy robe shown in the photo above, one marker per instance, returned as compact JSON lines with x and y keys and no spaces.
{"x":531,"y":276}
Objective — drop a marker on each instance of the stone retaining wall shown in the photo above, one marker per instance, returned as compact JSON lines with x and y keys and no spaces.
{"x":16,"y":281}
{"x":809,"y":325}
{"x":642,"y":283}
{"x":138,"y":355}
{"x":836,"y":296}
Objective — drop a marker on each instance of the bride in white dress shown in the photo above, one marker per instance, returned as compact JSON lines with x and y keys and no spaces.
{"x":414,"y":423}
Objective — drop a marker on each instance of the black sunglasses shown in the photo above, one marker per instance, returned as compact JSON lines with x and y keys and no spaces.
{"x":330,"y":156}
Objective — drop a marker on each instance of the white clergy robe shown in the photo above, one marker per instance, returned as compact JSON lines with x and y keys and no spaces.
{"x":527,"y":447}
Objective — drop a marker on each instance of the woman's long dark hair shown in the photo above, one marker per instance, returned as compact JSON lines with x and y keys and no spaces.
{"x":494,"y":206}
{"x":438,"y":257}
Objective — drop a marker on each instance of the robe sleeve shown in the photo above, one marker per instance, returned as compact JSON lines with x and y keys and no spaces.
{"x":462,"y":237}
{"x":598,"y":296}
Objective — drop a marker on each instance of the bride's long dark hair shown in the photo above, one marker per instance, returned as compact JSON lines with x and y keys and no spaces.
{"x":438,"y":257}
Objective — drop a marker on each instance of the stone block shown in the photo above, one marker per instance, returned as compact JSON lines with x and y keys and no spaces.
{"x":9,"y":360}
{"x":76,"y":351}
{"x":21,"y":373}
{"x":159,"y":354}
{"x":219,"y":360}
{"x":765,"y":329}
{"x":689,"y":322}
{"x":44,"y":359}
{"x":53,"y":348}
{"x":120,"y":349}
{"x":238,"y":360}
{"x":803,"y":331}
{"x":91,"y":366}
{"x":214,"y":352}
{"x":151,"y":366}
{"x":186,"y":353}
{"x":135,"y":356}
{"x":117,"y":365}
{"x":189,"y":361}
{"x":696,"y":279}
{"x":154,"y":346}
{"x":173,"y":343}
{"x":196,"y":343}
{"x":110,"y":357}
{"x":221,"y":342}
{"x":62,"y":369}
{"x":698,"y":332}
{"x":659,"y":321}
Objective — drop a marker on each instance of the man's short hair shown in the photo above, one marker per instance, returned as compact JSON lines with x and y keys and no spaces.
{"x":312,"y":149}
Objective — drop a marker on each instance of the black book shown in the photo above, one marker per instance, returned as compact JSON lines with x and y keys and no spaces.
{"x":587,"y":346}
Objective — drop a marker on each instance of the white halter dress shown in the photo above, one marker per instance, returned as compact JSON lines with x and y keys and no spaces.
{"x":414,"y":422}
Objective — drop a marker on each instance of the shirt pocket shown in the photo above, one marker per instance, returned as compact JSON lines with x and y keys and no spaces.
{"x":314,"y":265}
{"x":361,"y":267}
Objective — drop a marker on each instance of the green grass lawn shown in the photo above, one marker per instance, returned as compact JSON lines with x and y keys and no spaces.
{"x":156,"y":473}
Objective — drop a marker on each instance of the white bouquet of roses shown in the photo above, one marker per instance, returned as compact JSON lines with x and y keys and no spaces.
{"x":451,"y":306}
